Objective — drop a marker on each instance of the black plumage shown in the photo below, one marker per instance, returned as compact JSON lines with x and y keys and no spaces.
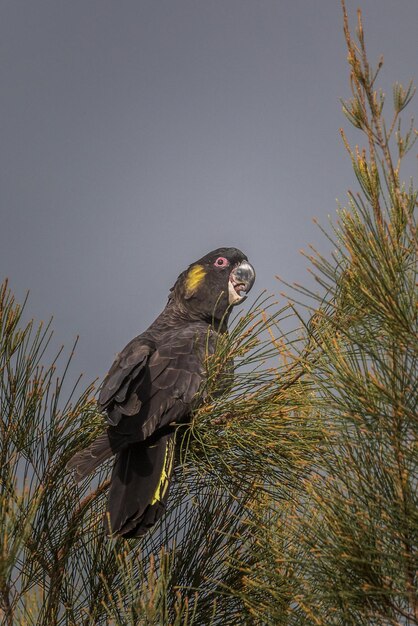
{"x":153,"y":386}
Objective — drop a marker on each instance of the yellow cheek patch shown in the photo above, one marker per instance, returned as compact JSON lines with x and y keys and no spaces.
{"x":194,"y":277}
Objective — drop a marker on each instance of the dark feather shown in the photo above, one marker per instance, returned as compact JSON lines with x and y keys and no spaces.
{"x":88,"y":460}
{"x":140,"y":486}
{"x":126,"y":367}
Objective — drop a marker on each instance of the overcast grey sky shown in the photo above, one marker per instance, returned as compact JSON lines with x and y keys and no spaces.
{"x":138,"y":135}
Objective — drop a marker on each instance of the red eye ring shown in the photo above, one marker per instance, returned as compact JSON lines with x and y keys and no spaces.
{"x":221,"y":261}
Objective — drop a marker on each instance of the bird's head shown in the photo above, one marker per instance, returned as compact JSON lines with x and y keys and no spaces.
{"x":214,"y":283}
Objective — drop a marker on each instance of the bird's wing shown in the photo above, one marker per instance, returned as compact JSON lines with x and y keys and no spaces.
{"x":167,"y":388}
{"x":145,"y":441}
{"x":129,"y":366}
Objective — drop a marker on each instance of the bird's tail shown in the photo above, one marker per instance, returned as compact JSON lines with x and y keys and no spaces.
{"x":139,"y":488}
{"x":86,"y":461}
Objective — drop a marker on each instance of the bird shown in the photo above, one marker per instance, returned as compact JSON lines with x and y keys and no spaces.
{"x":153,"y":387}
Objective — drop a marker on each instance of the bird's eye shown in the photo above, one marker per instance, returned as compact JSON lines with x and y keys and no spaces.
{"x":221,"y":262}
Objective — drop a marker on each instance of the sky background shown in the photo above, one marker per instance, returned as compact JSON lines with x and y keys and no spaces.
{"x":138,"y":135}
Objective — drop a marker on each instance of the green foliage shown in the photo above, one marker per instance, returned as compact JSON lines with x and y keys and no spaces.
{"x":346,"y":553}
{"x":57,"y":567}
{"x":295,"y":494}
{"x":366,"y":496}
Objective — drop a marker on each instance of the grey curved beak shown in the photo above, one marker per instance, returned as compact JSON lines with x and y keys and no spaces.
{"x":241,"y":279}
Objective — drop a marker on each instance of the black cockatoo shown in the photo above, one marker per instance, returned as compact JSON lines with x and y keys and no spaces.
{"x":153,"y":386}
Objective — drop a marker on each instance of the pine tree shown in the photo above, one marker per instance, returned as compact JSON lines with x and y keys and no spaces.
{"x":347,"y":550}
{"x":57,"y":567}
{"x":294,"y":500}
